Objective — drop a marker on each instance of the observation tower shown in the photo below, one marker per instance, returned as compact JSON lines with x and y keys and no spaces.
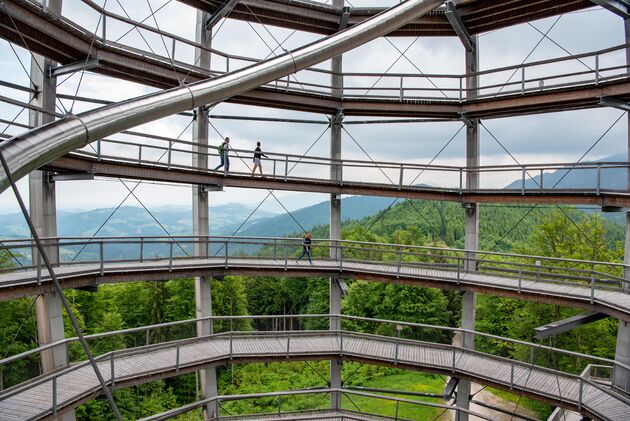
{"x":74,"y":138}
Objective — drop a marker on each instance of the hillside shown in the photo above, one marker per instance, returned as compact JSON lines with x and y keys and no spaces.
{"x":616,"y":178}
{"x":500,"y":226}
{"x":133,"y":220}
{"x":117,"y":306}
{"x":354,"y":207}
{"x":224,"y":219}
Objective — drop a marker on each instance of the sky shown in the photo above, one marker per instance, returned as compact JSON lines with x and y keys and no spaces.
{"x":553,"y":137}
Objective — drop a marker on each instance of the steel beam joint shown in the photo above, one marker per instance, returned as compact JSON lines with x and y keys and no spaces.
{"x":73,"y":67}
{"x":460,"y":29}
{"x":555,"y":328}
{"x":220,"y":13}
{"x":613,"y":102}
{"x":72,"y":176}
{"x":345,"y":15}
{"x":466,"y":119}
{"x":343,"y":287}
{"x":337,"y":118}
{"x":211,"y":188}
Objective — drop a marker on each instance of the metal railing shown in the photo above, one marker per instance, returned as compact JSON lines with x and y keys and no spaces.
{"x":281,"y":397}
{"x":455,"y":265}
{"x":526,"y":356}
{"x":591,"y":68}
{"x":173,"y":154}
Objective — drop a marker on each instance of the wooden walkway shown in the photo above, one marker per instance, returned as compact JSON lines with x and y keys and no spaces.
{"x":21,"y":283}
{"x":34,"y":400}
{"x":148,"y":170}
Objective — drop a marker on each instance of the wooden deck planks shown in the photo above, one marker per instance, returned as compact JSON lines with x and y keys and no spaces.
{"x":434,"y":357}
{"x":79,"y":382}
{"x":617,"y":299}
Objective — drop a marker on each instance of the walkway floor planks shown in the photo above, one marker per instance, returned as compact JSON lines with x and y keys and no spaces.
{"x":19,"y":283}
{"x":33,"y":401}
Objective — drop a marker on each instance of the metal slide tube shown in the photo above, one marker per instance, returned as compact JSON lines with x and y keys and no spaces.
{"x":29,"y":151}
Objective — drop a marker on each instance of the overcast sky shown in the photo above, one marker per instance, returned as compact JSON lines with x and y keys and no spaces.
{"x":556,"y":137}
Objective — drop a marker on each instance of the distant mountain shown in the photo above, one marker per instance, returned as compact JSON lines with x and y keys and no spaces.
{"x":224,"y":220}
{"x":576,"y":178}
{"x":133,"y":221}
{"x":294,"y":201}
{"x":354,"y":207}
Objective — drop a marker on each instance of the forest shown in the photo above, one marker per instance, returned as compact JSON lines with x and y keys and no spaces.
{"x":539,"y":230}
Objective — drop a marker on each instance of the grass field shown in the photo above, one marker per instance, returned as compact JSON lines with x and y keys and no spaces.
{"x":404,"y":380}
{"x":287,"y":376}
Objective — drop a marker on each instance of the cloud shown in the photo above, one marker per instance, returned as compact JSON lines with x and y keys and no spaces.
{"x":554,"y":137}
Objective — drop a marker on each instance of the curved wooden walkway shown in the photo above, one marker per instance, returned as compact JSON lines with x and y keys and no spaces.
{"x":614,"y":302}
{"x":44,"y":30}
{"x":157,"y":171}
{"x":321,"y":18}
{"x":34,"y":400}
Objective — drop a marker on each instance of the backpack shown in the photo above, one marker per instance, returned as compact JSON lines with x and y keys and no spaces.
{"x":221,"y":149}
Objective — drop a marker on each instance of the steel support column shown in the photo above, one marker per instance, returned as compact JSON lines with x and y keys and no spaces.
{"x":42,"y":204}
{"x":335,"y":214}
{"x":472,"y":222}
{"x":621,"y":377}
{"x":200,"y":203}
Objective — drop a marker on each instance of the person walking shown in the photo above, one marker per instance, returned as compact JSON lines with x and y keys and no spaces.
{"x":306,"y":248}
{"x":257,"y":156}
{"x":223,"y":154}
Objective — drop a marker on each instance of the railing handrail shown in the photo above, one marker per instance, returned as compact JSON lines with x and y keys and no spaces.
{"x":572,"y":57}
{"x":194,"y":44}
{"x":110,"y":356}
{"x":271,"y":240}
{"x":188,"y":407}
{"x":303,"y":159}
{"x":538,"y":346}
